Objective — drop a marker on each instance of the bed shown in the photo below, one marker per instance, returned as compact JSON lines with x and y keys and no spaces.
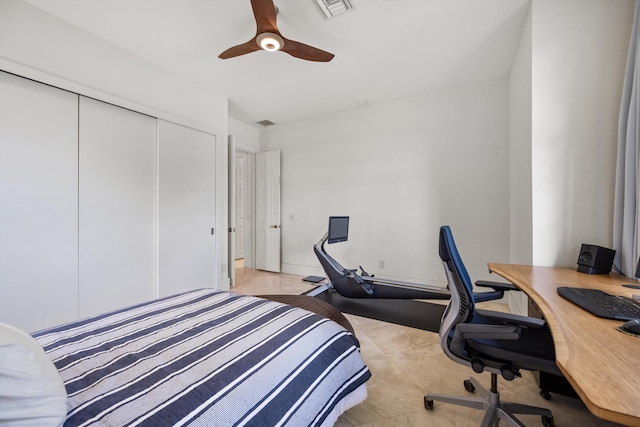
{"x":206,"y":358}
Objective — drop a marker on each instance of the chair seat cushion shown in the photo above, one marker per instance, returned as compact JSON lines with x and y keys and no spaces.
{"x":533,"y":351}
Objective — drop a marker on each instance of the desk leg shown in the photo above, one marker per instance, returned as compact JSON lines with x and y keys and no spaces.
{"x":549,"y":382}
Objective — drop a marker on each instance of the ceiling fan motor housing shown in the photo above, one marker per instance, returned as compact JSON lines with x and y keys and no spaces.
{"x":270,"y":41}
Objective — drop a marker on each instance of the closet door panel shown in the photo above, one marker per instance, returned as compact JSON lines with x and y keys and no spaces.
{"x":186,"y":209}
{"x":118,"y":198}
{"x":38,"y":204}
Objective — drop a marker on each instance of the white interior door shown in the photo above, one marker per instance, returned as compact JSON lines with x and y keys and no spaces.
{"x":38,"y":204}
{"x":187,"y":246}
{"x":117,"y":207}
{"x":241,"y":203}
{"x":268,"y":211}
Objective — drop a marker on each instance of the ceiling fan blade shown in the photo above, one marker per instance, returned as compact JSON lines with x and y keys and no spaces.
{"x":303,"y":51}
{"x":241,"y":49}
{"x":265,"y":14}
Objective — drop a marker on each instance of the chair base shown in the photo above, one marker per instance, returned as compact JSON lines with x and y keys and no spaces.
{"x":490,"y":403}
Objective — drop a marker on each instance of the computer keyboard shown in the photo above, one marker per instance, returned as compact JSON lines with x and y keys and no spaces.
{"x":601,"y":303}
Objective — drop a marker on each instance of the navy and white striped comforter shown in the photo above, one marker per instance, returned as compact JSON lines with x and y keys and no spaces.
{"x":204,"y":358}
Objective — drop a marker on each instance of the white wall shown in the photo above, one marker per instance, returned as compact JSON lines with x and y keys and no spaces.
{"x":400,"y":170}
{"x":546,"y":191}
{"x":579,"y":50}
{"x":37,"y":45}
{"x":247,"y":137}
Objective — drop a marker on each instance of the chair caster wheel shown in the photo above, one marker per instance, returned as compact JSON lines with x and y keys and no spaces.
{"x":468,"y":385}
{"x":428,"y":404}
{"x":548,"y":421}
{"x":545,"y":394}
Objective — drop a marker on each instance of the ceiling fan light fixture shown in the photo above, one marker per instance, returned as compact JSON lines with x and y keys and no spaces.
{"x":270,"y":41}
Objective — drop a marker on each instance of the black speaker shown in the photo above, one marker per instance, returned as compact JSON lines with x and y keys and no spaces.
{"x":595,"y":259}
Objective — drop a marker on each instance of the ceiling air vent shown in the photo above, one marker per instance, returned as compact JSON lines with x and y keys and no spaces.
{"x":333,"y":8}
{"x":265,"y":123}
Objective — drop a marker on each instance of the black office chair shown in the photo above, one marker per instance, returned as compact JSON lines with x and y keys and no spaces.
{"x":499,"y":343}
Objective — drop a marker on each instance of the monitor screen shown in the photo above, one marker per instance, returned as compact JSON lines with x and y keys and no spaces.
{"x":338,"y":229}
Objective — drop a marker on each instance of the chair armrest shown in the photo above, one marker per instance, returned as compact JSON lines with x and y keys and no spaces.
{"x":498,"y":290}
{"x":487,"y":296}
{"x":497,"y":286}
{"x":512,"y":319}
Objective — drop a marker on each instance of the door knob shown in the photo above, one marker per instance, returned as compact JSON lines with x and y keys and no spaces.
{"x":274,"y":226}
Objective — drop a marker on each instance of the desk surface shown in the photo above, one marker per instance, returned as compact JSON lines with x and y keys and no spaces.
{"x":601,"y":363}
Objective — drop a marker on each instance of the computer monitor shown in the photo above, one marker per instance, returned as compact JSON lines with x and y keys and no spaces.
{"x":338,"y":229}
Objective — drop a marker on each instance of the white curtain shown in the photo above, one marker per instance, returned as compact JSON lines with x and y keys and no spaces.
{"x":626,"y":210}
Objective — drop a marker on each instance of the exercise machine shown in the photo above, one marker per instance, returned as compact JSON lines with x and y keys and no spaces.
{"x":349,"y":284}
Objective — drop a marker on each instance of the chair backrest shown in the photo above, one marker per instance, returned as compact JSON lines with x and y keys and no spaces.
{"x":453,"y":263}
{"x":461,"y":307}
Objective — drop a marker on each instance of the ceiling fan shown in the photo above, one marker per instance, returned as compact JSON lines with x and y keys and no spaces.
{"x":269,"y":38}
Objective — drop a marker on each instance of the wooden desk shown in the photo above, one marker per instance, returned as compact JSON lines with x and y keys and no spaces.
{"x":601,"y":363}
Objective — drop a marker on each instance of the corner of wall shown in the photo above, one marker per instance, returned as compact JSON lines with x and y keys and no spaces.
{"x":520,"y":140}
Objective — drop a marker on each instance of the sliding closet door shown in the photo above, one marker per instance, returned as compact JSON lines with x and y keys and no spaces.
{"x":118,"y":195}
{"x":38,"y":204}
{"x":187,"y":256}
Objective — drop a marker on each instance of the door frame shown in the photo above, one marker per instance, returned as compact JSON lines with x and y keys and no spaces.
{"x":250,"y":207}
{"x":231,"y":205}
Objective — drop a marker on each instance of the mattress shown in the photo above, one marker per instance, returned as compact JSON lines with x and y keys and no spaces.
{"x":206,"y":358}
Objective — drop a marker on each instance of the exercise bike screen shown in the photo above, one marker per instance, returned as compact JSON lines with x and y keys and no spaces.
{"x":338,"y":229}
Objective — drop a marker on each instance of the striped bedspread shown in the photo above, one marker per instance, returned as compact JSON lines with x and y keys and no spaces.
{"x":205,"y":358}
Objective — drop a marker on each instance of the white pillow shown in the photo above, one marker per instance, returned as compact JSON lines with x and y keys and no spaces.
{"x":31,"y":391}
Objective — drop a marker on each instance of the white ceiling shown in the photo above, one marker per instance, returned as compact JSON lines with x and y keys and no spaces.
{"x":384,"y":49}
